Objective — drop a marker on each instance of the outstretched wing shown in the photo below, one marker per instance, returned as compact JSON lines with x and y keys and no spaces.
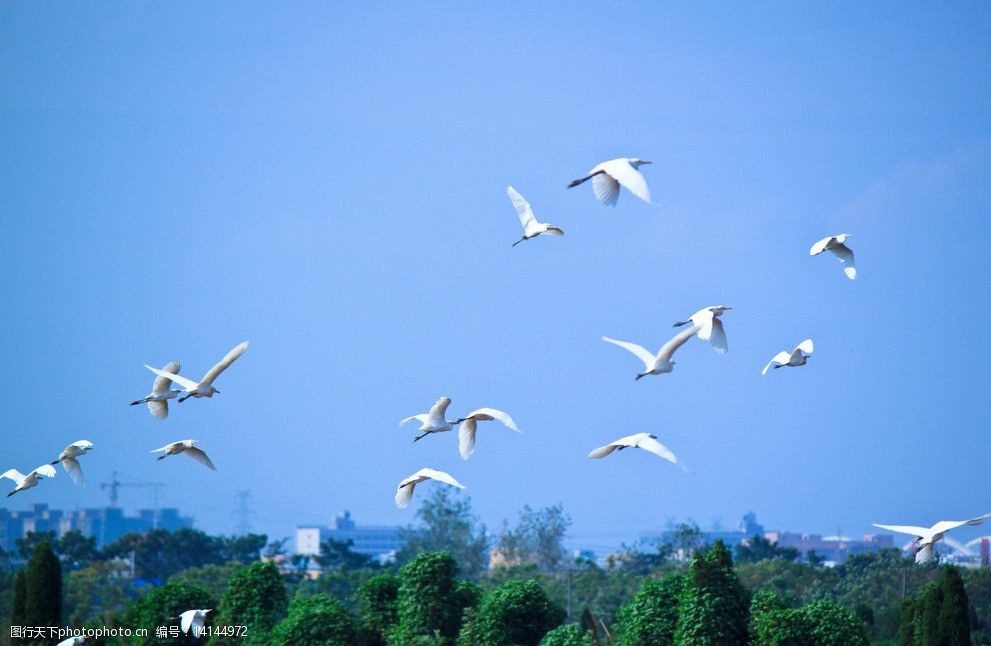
{"x":524,"y":211}
{"x":74,"y":470}
{"x":45,"y":471}
{"x":641,"y":352}
{"x":13,"y":474}
{"x":650,"y":444}
{"x":632,"y":180}
{"x":844,"y":254}
{"x":422,"y":418}
{"x":186,"y":620}
{"x":718,"y":336}
{"x":162,"y":383}
{"x":446,"y":478}
{"x":159,"y":409}
{"x":492,"y":413}
{"x":188,"y":384}
{"x":806,"y":346}
{"x":780,"y":358}
{"x":906,"y":529}
{"x":603,"y":451}
{"x":224,"y":363}
{"x":606,"y":189}
{"x":438,"y":410}
{"x":820,"y":246}
{"x":466,"y":437}
{"x":164,"y":448}
{"x":200,"y":456}
{"x":668,"y":349}
{"x":404,"y":492}
{"x":946,"y":525}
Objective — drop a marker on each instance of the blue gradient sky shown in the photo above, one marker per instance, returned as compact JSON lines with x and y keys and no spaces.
{"x":328,"y":182}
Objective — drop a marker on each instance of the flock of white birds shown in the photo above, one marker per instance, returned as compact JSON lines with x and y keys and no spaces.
{"x":607,"y":179}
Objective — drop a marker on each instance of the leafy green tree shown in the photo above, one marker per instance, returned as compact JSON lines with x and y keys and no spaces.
{"x":314,"y":620}
{"x":538,"y":538}
{"x":338,"y":555}
{"x":447,"y":524}
{"x":18,"y":603}
{"x":833,"y":625}
{"x":27,"y":543}
{"x":781,"y":627}
{"x":162,"y":607}
{"x":77,"y":550}
{"x":215,"y":578}
{"x":713,"y":605}
{"x":43,"y":601}
{"x":245,"y":549}
{"x":684,"y":540}
{"x":342,"y":584}
{"x":426,"y":599}
{"x":570,"y":635}
{"x":761,"y":603}
{"x":95,"y":595}
{"x":939,"y":614}
{"x":515,"y":613}
{"x":759,"y":548}
{"x":255,"y":598}
{"x":652,"y":615}
{"x":158,"y":553}
{"x":378,"y":608}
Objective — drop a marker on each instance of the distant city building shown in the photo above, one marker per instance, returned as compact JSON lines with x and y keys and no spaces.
{"x":833,"y":549}
{"x":373,"y":540}
{"x":106,"y":524}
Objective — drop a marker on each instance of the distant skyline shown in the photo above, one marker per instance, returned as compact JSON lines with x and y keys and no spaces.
{"x":328,"y":182}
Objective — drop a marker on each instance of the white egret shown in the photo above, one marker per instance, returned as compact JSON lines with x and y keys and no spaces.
{"x":158,"y":399}
{"x":531,"y":228}
{"x":78,"y":640}
{"x":469,"y":424}
{"x":710,"y":326}
{"x":925,"y":537}
{"x":205,"y":386}
{"x":661,"y":363}
{"x":194,"y":620}
{"x":843,"y":253}
{"x":644,"y":441}
{"x":433,"y":421}
{"x":404,"y":493}
{"x":30,"y":480}
{"x":187,"y":447}
{"x":797,"y":357}
{"x":608,"y":176}
{"x":71,"y":464}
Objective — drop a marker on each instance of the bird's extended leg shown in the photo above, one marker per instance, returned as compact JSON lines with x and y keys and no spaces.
{"x":140,"y":401}
{"x":519,"y":241}
{"x":642,"y":374}
{"x":584,"y":179}
{"x":420,"y":437}
{"x":184,"y":398}
{"x":680,"y":323}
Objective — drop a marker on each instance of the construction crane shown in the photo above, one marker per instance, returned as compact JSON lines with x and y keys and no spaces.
{"x":114,"y":485}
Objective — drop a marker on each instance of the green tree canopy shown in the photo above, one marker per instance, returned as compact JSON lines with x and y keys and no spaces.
{"x":714,"y":606}
{"x":515,"y":613}
{"x":570,"y":635}
{"x":315,"y":620}
{"x":162,"y":607}
{"x":255,"y":598}
{"x":447,"y":524}
{"x":939,"y":614}
{"x":338,"y":555}
{"x":378,"y":608}
{"x":652,"y":615}
{"x":759,"y":548}
{"x":426,"y":599}
{"x":538,"y":538}
{"x":43,"y":600}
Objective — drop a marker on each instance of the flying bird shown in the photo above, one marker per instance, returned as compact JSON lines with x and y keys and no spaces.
{"x":158,"y":399}
{"x":608,"y":176}
{"x":205,"y":386}
{"x":710,"y":326}
{"x":193,"y":619}
{"x":404,"y":493}
{"x":797,"y":357}
{"x":78,"y":640}
{"x":843,"y":253}
{"x":71,"y":464}
{"x":469,"y":424}
{"x":531,"y":228}
{"x":644,"y":441}
{"x":925,"y":537}
{"x":656,"y":365}
{"x":187,"y":447}
{"x":30,"y":480}
{"x":433,"y":421}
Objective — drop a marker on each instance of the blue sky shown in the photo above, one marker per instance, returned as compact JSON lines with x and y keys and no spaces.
{"x":328,"y":183}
